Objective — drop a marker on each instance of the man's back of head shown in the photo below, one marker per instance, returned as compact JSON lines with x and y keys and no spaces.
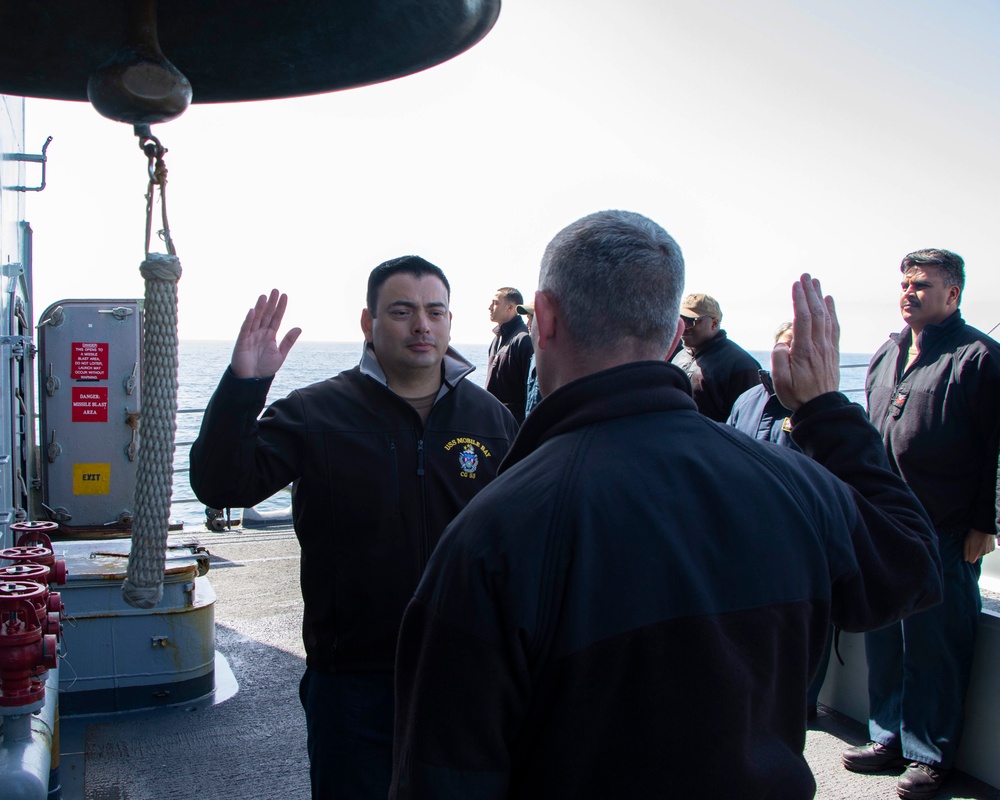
{"x":615,"y":279}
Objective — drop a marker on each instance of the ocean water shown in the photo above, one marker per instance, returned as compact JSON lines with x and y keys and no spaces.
{"x":201,"y":364}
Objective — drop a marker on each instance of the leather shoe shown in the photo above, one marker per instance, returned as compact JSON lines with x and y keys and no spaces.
{"x":872,"y":757}
{"x":920,"y":780}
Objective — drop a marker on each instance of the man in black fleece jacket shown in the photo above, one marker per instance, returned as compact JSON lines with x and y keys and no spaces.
{"x":510,"y":353}
{"x":382,"y":457}
{"x":652,"y":629}
{"x":933,"y":393}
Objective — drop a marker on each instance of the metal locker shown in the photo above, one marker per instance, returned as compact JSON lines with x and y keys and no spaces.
{"x":90,"y":405}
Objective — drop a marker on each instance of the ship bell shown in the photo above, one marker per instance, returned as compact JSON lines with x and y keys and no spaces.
{"x":145,"y":65}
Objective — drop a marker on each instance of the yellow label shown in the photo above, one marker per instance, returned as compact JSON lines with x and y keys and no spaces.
{"x":91,"y":479}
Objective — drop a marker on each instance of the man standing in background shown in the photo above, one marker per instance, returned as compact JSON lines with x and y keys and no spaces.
{"x":934,"y":394}
{"x":719,"y":369}
{"x":534,"y":397}
{"x":510,"y":352}
{"x":758,"y":411}
{"x":759,"y":414}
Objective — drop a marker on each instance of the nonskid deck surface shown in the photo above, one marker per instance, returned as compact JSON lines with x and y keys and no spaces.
{"x":830,"y":734}
{"x":252,"y":745}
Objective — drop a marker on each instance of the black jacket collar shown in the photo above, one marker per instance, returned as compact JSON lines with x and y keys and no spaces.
{"x":637,"y":388}
{"x":514,"y":325}
{"x":715,"y":341}
{"x":931,"y":333}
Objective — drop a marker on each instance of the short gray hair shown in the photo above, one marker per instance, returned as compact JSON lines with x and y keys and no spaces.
{"x":951,"y":266}
{"x":616,"y":275}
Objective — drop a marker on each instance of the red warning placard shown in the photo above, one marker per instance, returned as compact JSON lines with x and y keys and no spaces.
{"x":90,"y":404}
{"x":90,"y":361}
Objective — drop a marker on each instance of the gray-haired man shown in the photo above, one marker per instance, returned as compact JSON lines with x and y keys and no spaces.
{"x":677,"y":578}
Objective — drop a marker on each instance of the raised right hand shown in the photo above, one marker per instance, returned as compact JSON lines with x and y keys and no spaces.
{"x":810,"y":365}
{"x":257,"y":353}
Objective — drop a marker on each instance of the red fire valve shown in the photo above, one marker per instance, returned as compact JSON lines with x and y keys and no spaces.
{"x":39,"y":573}
{"x":37,"y":533}
{"x":48,"y":605}
{"x":42,"y":527}
{"x":37,"y":554}
{"x":30,"y":537}
{"x":27,"y":554}
{"x":25,"y":652}
{"x":22,"y":590}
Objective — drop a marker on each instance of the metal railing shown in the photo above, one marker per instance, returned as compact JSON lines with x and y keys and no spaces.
{"x":857,"y":395}
{"x":192,"y":500}
{"x":185,"y":500}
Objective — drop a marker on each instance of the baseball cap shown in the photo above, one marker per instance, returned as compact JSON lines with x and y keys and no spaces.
{"x":701,"y":305}
{"x":526,"y":308}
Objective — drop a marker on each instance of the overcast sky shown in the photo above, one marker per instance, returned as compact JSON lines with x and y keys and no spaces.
{"x":769,"y":138}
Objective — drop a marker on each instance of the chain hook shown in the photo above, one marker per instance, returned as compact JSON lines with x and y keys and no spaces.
{"x":157,"y":170}
{"x":151,"y":147}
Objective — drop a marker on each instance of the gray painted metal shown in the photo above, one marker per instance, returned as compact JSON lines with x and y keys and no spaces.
{"x":16,"y":346}
{"x":121,"y":658}
{"x":26,"y":754}
{"x":90,"y":368}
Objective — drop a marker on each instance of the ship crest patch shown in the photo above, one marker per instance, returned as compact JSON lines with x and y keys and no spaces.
{"x":468,"y":459}
{"x":470,"y":454}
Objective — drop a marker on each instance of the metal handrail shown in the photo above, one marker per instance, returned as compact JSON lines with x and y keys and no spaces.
{"x":194,"y":500}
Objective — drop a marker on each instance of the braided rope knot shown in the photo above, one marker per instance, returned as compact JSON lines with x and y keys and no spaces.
{"x":161,"y":267}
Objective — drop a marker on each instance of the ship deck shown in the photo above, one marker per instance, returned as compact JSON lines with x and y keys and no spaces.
{"x":250,"y":743}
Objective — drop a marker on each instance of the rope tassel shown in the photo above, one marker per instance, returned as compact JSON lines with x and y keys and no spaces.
{"x":143,"y":587}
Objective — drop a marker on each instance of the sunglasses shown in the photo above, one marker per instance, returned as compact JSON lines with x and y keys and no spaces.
{"x":690,"y":322}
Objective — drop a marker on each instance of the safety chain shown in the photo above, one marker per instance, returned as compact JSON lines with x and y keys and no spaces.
{"x":157,"y":169}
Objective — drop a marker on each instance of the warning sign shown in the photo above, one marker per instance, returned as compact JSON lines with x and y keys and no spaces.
{"x":90,"y":361}
{"x":91,"y":479}
{"x":90,"y":404}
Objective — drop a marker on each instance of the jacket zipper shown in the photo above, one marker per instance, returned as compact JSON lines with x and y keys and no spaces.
{"x":425,"y":545}
{"x":395,"y":471}
{"x":903,"y":372}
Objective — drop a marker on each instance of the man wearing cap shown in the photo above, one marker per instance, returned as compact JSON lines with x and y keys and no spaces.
{"x":510,"y":352}
{"x":933,"y":393}
{"x":719,"y":369}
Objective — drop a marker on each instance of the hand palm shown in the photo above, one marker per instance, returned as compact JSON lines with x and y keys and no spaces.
{"x":257,"y":353}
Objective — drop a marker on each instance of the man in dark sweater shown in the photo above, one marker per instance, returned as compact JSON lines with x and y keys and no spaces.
{"x":381,"y":457}
{"x":933,"y":393}
{"x":719,"y":369}
{"x":652,"y":630}
{"x":510,"y":352}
